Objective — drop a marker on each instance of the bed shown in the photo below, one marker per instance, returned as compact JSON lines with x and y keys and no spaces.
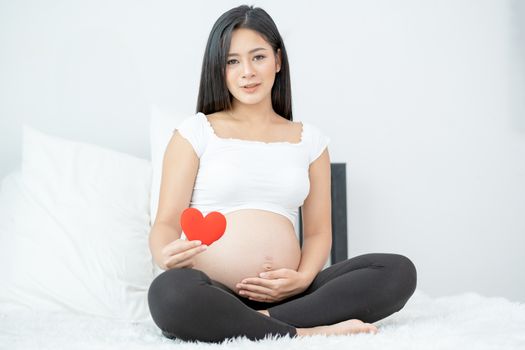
{"x":466,"y":321}
{"x":75,"y":266}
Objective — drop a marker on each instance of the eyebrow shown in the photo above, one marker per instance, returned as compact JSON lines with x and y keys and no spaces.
{"x":257,"y":49}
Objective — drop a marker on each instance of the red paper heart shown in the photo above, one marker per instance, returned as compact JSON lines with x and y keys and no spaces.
{"x":206,"y":229}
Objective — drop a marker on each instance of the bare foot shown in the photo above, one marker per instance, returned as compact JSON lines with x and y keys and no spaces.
{"x":265,"y":312}
{"x":342,"y":328}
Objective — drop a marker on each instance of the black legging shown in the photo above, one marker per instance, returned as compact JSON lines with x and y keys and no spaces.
{"x":186,"y":304}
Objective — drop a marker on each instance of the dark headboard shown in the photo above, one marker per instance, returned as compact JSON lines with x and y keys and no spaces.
{"x":339,"y":250}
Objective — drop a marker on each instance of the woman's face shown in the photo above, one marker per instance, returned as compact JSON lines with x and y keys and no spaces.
{"x":251,"y":61}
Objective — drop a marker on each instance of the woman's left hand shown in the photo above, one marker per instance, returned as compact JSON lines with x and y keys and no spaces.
{"x":273,"y":286}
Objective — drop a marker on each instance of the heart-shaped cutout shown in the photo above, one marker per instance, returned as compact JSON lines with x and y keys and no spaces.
{"x":206,"y":229}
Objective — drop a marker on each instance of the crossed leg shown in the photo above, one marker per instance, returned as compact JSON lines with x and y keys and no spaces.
{"x":343,"y":298}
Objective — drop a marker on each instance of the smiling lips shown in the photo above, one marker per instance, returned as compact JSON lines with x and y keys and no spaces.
{"x":251,"y":85}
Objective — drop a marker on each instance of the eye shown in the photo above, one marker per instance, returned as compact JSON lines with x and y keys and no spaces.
{"x":229,"y":62}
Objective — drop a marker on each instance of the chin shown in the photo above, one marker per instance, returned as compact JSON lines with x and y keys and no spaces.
{"x":253,"y":99}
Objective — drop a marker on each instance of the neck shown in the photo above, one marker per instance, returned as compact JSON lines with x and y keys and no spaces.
{"x":258,"y":114}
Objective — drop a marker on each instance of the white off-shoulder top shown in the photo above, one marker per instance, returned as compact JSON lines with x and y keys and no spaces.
{"x":244,"y":174}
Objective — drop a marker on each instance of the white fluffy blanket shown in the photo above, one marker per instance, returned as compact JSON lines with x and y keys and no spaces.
{"x":467,"y":321}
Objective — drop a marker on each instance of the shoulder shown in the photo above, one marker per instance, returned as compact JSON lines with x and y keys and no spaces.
{"x":193,"y":129}
{"x":192,"y":120}
{"x":313,"y":130}
{"x":316,"y":140}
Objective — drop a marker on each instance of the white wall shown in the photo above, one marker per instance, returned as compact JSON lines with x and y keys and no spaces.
{"x":423,"y":101}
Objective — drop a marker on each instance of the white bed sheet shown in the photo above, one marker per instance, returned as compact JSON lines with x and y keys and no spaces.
{"x":466,"y":321}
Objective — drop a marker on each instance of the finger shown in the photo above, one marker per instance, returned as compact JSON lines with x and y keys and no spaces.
{"x":180,"y":245}
{"x":183,"y":264}
{"x":173,"y":263}
{"x":265,"y":287}
{"x":189,"y":254}
{"x":251,"y":288}
{"x":275,"y":274}
{"x":257,"y":281}
{"x":250,"y":294}
{"x":188,"y":264}
{"x":260,"y":297}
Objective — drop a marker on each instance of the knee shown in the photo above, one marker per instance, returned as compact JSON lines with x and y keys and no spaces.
{"x":169,"y":296}
{"x":404,"y":272}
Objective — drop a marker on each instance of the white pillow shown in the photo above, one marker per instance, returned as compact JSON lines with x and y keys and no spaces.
{"x":79,"y":239}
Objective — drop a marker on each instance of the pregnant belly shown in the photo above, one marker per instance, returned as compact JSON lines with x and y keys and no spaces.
{"x":254,"y":241}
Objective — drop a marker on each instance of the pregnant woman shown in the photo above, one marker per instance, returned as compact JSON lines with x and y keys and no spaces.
{"x":242,"y":155}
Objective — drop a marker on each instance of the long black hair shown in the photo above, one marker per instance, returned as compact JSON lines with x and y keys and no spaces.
{"x":213,"y":91}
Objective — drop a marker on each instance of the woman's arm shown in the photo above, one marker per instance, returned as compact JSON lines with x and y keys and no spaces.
{"x":179,"y":171}
{"x":317,"y":219}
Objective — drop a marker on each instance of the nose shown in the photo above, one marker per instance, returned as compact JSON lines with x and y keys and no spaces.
{"x":248,"y":70}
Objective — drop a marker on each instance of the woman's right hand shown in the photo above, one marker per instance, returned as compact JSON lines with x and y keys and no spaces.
{"x":180,"y":253}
